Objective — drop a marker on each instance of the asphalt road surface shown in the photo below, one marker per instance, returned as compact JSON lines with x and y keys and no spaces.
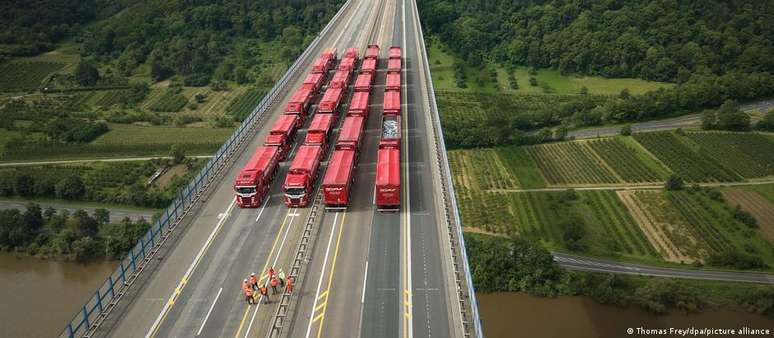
{"x":116,"y":214}
{"x":602,"y":265}
{"x":685,"y":121}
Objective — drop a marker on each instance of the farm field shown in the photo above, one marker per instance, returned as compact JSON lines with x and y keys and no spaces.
{"x":758,"y":206}
{"x":751,"y":155}
{"x":480,"y":170}
{"x":243,"y":105}
{"x":169,"y":100}
{"x":146,"y":135}
{"x":628,"y":161}
{"x":25,"y":75}
{"x":215,"y":102}
{"x":691,"y":164}
{"x":571,"y":164}
{"x":521,"y":166}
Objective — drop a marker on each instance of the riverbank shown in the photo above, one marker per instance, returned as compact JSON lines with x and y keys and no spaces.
{"x":511,"y":314}
{"x":40,"y":296}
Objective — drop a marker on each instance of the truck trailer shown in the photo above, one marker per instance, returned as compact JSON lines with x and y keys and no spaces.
{"x":282,"y":134}
{"x":299,"y":183}
{"x":331,"y":101}
{"x":299,"y":104}
{"x":372,"y":52}
{"x":351,"y":133}
{"x":387,"y":188}
{"x":358,"y":105}
{"x":393,"y":81}
{"x":340,"y":79}
{"x":338,"y":179}
{"x":368,"y":66}
{"x":393,"y":65}
{"x":395,"y":52}
{"x":392,"y":102}
{"x":364,"y":82}
{"x":314,"y":81}
{"x":254,"y":180}
{"x":319,"y":131}
{"x":391,"y":131}
{"x":325,"y":62}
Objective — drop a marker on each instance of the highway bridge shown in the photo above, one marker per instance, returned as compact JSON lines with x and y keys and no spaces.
{"x":359,"y":272}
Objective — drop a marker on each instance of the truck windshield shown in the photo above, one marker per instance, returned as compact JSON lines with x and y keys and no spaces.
{"x":295,"y":191}
{"x":245,"y":190}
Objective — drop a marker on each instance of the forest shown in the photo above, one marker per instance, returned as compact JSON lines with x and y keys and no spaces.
{"x":663,"y":40}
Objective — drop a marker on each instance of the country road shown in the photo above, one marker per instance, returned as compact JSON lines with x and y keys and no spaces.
{"x":122,"y":159}
{"x":582,"y":263}
{"x":116,"y":214}
{"x":685,"y":121}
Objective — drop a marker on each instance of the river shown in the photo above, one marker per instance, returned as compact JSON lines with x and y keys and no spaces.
{"x":40,"y":296}
{"x":521,"y":315}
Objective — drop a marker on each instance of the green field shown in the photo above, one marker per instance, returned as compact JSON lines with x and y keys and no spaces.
{"x":168,"y":101}
{"x":25,"y":75}
{"x":748,"y":154}
{"x":121,"y":134}
{"x":243,"y":105}
{"x":628,"y":161}
{"x":215,"y":102}
{"x":570,"y":163}
{"x":692,"y":165}
{"x":442,"y":69}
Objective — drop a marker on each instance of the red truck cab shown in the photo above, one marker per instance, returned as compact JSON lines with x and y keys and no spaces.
{"x":351,"y":133}
{"x":254,"y":180}
{"x":319,"y":131}
{"x":282,"y":134}
{"x":350,"y":53}
{"x":393,"y":81}
{"x":358,"y":105}
{"x":325,"y":62}
{"x":363,"y":82}
{"x":299,"y":104}
{"x":340,"y":79}
{"x":331,"y":101}
{"x":387,"y":179}
{"x":393,"y":65}
{"x":338,"y":179}
{"x":368,"y":66}
{"x":372,"y":52}
{"x":392,"y":102}
{"x":299,"y":183}
{"x":395,"y":52}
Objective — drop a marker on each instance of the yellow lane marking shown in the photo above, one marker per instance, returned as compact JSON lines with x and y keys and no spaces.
{"x":330,"y":276}
{"x":265,"y":266}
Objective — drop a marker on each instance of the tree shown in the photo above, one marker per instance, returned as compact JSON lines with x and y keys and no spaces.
{"x":584,"y":91}
{"x":674,"y":182}
{"x":626,"y":130}
{"x":533,"y":81}
{"x":71,"y":187}
{"x":767,"y":122}
{"x":730,"y":117}
{"x":86,"y":73}
{"x":32,"y":220}
{"x":177,"y":154}
{"x":573,"y":234}
{"x":83,"y":224}
{"x":24,"y":185}
{"x":102,"y":216}
{"x":708,"y":119}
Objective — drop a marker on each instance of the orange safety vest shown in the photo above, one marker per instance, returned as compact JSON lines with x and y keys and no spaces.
{"x":263,"y":290}
{"x":253,"y":280}
{"x":274,"y":282}
{"x":248,"y":292}
{"x":246,"y":286}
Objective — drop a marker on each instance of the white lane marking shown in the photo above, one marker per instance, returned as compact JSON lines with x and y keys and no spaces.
{"x":365,"y":278}
{"x":151,"y":332}
{"x":410,"y":297}
{"x":322,"y":275}
{"x":209,"y":312}
{"x":274,"y":263}
{"x":263,"y":207}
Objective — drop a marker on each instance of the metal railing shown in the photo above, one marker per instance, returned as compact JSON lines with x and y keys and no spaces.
{"x":107,"y":296}
{"x":452,"y":212}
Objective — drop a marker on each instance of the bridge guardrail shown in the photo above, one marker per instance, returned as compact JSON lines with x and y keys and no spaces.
{"x":452,"y":211}
{"x":107,"y":295}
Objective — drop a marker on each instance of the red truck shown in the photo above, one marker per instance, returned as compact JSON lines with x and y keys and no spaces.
{"x":359,"y":104}
{"x":368,"y":66}
{"x":395,"y":52}
{"x":372,"y":52}
{"x":299,"y":104}
{"x":331,"y":101}
{"x":364,"y":81}
{"x":299,"y":183}
{"x":350,"y":53}
{"x":340,"y":79}
{"x":351,"y":133}
{"x":319,"y":131}
{"x":392,"y":102}
{"x":325,"y":62}
{"x":282,"y":134}
{"x":338,"y":179}
{"x":390,"y":132}
{"x":254,"y":180}
{"x":393,"y":65}
{"x":393,"y":81}
{"x":387,"y":179}
{"x":314,"y":82}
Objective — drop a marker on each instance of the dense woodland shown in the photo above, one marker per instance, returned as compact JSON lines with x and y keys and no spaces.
{"x":656,"y":40}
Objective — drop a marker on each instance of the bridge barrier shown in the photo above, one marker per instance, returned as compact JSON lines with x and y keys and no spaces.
{"x":452,"y":212}
{"x":98,"y":306}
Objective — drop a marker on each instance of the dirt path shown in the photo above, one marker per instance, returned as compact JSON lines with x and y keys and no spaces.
{"x":653,"y":230}
{"x":758,"y":206}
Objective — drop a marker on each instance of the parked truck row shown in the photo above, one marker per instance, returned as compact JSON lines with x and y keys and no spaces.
{"x":388,"y":156}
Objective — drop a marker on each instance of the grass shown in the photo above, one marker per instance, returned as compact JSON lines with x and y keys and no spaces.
{"x":25,"y":75}
{"x":243,"y":105}
{"x":522,"y":167}
{"x":570,"y":163}
{"x":628,"y":161}
{"x":169,"y":101}
{"x":215,"y":102}
{"x":121,"y":134}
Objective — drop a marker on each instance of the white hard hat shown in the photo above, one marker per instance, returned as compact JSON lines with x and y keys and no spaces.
{"x":252,"y":274}
{"x":245,"y":279}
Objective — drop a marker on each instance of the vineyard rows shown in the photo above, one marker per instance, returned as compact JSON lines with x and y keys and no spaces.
{"x":570,"y":163}
{"x":693,"y":166}
{"x":751,"y":155}
{"x":169,"y":101}
{"x":19,"y":75}
{"x":618,"y":224}
{"x":480,"y":170}
{"x":215,"y":103}
{"x":625,"y":162}
{"x":243,"y":105}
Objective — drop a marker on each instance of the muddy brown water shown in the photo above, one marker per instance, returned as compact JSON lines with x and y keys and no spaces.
{"x":521,"y":315}
{"x":38,"y":297}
